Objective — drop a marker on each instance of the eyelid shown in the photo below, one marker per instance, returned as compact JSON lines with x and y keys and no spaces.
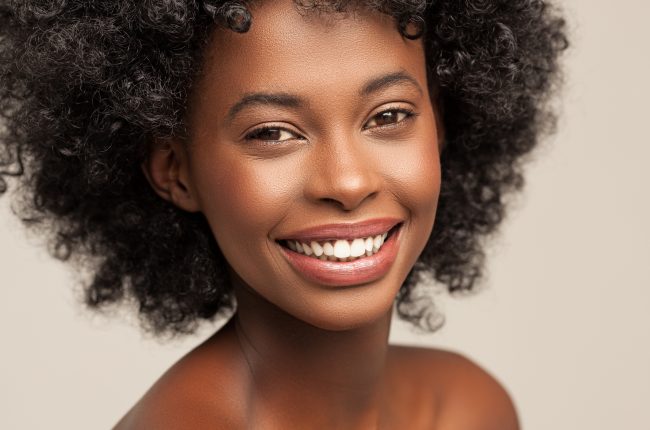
{"x":250,"y":136}
{"x":409,"y":111}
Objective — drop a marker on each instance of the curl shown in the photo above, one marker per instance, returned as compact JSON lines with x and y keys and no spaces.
{"x":231,"y":14}
{"x":85,"y":86}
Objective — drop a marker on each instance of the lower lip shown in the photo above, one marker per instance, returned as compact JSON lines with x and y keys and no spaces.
{"x":346,"y":273}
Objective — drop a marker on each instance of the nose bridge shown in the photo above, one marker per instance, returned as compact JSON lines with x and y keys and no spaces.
{"x":342,"y":171}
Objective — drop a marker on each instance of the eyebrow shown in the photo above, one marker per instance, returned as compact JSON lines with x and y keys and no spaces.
{"x":287,"y":100}
{"x":391,"y":79}
{"x":268,"y":99}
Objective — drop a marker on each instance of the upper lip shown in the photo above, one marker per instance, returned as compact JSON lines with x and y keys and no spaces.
{"x":371,"y":227}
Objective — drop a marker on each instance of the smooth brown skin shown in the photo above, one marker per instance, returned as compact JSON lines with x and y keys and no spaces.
{"x":298,"y":355}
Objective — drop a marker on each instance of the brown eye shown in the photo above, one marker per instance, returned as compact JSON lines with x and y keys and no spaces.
{"x":274,"y":134}
{"x":388,"y":118}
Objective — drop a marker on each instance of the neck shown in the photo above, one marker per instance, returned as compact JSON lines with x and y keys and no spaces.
{"x":308,"y":373}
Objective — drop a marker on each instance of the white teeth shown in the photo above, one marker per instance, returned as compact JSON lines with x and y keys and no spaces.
{"x":341,"y":249}
{"x":369,"y":244}
{"x":378,"y":241}
{"x":358,"y":248}
{"x":318,"y":250}
{"x":328,"y":249}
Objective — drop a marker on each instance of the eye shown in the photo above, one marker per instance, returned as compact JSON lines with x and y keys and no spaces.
{"x":271,"y":133}
{"x":389,"y":117}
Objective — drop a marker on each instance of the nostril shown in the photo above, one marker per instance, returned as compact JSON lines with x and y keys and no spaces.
{"x":334,"y":202}
{"x":347,"y":204}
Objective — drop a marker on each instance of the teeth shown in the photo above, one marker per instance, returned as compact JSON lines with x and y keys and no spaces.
{"x":358,"y":248}
{"x":340,"y":250}
{"x":318,"y":250}
{"x":378,"y":241}
{"x":369,"y":244}
{"x":328,"y":249}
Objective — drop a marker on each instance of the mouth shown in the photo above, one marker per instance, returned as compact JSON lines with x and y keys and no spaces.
{"x":341,"y":250}
{"x":349,"y":258}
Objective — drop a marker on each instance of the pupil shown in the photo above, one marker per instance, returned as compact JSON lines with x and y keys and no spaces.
{"x":387,"y":118}
{"x":269,"y":134}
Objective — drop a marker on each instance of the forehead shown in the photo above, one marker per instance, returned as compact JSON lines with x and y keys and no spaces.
{"x":316,"y":55}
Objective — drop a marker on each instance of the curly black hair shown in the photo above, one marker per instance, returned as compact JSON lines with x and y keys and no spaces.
{"x":86,"y":85}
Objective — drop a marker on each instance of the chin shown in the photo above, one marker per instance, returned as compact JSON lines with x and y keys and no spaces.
{"x":350,"y":309}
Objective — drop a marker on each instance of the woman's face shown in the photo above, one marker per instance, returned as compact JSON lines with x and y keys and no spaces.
{"x":316,"y":129}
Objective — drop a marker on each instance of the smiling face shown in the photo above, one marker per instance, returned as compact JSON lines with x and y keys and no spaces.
{"x":316,"y":131}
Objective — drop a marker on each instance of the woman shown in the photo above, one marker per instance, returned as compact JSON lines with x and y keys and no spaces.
{"x":291,"y":156}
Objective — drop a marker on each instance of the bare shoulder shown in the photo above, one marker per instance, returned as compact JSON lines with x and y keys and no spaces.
{"x":197,"y":393}
{"x":466,"y":396}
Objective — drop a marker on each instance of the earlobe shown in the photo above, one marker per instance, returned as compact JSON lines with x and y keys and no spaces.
{"x":167,"y":170}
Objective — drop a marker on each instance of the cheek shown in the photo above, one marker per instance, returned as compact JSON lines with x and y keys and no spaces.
{"x":243,"y":199}
{"x":419,"y":179}
{"x":414,"y":173}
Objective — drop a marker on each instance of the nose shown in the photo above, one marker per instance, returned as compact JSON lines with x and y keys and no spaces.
{"x":343,"y":173}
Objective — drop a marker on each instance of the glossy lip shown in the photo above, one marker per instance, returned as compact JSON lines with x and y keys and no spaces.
{"x":371,"y":227}
{"x":346,"y":273}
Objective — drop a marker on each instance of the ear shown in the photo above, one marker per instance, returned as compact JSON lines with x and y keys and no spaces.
{"x":167,"y":170}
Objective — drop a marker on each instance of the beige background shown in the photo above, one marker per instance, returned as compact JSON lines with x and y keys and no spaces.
{"x":564,"y":323}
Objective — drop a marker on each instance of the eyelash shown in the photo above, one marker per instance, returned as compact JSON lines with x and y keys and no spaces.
{"x":410,"y":113}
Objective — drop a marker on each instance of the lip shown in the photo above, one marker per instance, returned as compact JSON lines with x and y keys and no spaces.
{"x":348,"y":273}
{"x":325,"y":232}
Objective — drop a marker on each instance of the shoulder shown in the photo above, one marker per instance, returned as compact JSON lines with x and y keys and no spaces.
{"x":467,"y":397}
{"x":198,"y":392}
{"x":168,"y":409}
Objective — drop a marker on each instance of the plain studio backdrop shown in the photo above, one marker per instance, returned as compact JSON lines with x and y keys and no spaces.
{"x":563,"y":321}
